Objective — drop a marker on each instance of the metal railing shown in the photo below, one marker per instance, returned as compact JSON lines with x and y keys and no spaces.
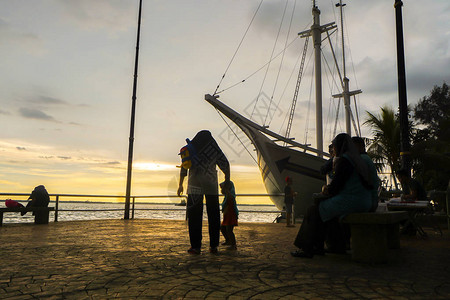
{"x":57,"y":198}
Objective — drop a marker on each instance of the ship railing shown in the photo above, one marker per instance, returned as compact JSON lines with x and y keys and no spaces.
{"x":57,"y":198}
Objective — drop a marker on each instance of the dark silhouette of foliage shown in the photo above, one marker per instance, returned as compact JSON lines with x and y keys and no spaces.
{"x":431,"y":139}
{"x":384,"y":148}
{"x":433,"y":111}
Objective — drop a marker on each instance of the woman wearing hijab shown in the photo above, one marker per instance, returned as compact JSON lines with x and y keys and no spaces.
{"x":348,"y":192}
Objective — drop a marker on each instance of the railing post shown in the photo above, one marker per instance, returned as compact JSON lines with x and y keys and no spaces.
{"x":56,"y":208}
{"x":447,"y":202}
{"x":132,"y":209}
{"x":293,"y":214}
{"x":186,"y":214}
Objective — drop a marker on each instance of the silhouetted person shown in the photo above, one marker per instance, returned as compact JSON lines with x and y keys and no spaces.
{"x":38,"y":198}
{"x":412,"y":189}
{"x":200,"y":156}
{"x":289,"y":195}
{"x":338,"y":234}
{"x":374,"y":180}
{"x":230,"y":214}
{"x":348,"y":192}
{"x":327,"y":168}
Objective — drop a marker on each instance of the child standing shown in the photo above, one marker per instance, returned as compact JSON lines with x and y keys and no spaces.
{"x":230,"y":214}
{"x":289,"y":195}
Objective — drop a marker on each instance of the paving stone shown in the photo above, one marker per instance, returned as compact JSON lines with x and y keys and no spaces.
{"x":20,"y":297}
{"x":138,"y":259}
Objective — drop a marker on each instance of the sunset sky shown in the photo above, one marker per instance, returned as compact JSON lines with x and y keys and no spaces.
{"x":66,"y":74}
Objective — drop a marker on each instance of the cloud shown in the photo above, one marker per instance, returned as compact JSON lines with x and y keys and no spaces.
{"x":84,"y":105}
{"x":48,"y":100}
{"x":21,"y":148}
{"x":270,"y":16}
{"x":47,"y":157}
{"x":2,"y":112}
{"x":100,"y":14}
{"x":13,"y":38}
{"x":31,"y":113}
{"x":109,"y":164}
{"x":64,"y":157}
{"x":379,"y":76}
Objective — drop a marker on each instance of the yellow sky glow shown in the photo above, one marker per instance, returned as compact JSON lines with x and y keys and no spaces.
{"x":95,"y":174}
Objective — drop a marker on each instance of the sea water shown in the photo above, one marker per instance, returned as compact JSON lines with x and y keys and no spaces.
{"x":72,"y":211}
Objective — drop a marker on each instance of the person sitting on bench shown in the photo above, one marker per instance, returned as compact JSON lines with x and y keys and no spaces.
{"x":412,"y":191}
{"x":38,"y":198}
{"x":348,"y":192}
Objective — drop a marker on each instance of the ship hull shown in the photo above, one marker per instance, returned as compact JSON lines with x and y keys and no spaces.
{"x":280,"y":162}
{"x":276,"y":162}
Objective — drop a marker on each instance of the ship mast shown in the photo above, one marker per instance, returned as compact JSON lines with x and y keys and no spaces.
{"x":346,"y":93}
{"x":316,"y":31}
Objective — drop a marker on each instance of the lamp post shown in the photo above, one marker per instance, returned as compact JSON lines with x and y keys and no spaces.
{"x":133,"y":113}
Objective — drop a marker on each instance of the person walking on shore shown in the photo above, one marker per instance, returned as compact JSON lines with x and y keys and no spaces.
{"x":199,"y":159}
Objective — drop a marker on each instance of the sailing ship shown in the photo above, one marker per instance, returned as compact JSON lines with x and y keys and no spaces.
{"x":279,"y":156}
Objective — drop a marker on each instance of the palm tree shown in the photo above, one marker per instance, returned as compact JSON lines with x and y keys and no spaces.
{"x":384,"y":148}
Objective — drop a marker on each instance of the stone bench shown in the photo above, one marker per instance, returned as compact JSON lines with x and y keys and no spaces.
{"x":374,"y":233}
{"x":41,"y":214}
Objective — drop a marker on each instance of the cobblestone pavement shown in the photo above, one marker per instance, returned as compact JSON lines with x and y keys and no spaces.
{"x":147,"y":259}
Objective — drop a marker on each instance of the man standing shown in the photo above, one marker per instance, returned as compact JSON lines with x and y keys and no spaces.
{"x":200,"y":156}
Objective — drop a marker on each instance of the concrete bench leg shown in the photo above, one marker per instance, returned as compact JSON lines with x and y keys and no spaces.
{"x":369,"y":243}
{"x":393,"y":236}
{"x":41,"y":217}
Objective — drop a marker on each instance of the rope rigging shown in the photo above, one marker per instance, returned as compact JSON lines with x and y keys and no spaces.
{"x":239,"y":46}
{"x":268,"y":66}
{"x":355,"y":127}
{"x":356,"y":80}
{"x":284,"y":91}
{"x":282,"y":59}
{"x":297,"y":87}
{"x":257,"y":71}
{"x":290,"y":114}
{"x":309,"y":109}
{"x":243,"y":145}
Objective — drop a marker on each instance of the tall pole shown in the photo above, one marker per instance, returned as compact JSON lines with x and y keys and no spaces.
{"x":403,"y":103}
{"x":316,"y":32}
{"x":346,"y":94}
{"x":133,"y":113}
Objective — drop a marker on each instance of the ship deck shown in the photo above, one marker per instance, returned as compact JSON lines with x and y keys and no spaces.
{"x":147,"y":259}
